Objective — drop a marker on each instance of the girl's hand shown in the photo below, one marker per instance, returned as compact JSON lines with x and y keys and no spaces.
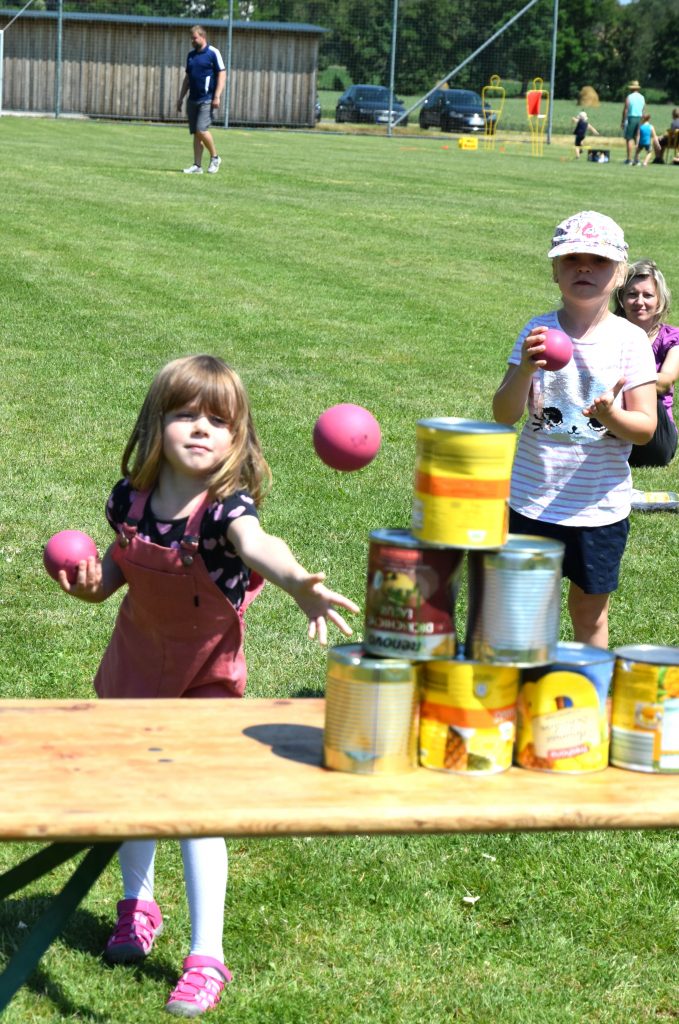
{"x":603,"y":405}
{"x":88,"y":581}
{"x":317,"y":603}
{"x":531,"y":350}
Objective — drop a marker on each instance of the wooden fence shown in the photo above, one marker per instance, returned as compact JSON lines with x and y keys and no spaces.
{"x":132,"y":67}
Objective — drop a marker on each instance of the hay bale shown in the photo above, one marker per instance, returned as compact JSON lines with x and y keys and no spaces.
{"x":588,"y":97}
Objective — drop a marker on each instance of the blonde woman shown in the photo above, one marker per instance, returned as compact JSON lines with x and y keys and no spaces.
{"x":644,"y":299}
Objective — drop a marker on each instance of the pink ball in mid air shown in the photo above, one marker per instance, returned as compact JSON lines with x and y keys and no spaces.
{"x":65,"y":550}
{"x":558,"y":349}
{"x":347,"y":437}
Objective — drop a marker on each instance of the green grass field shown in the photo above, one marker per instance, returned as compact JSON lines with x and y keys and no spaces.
{"x":395,"y":274}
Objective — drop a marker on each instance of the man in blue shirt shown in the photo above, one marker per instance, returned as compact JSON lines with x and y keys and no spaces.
{"x":631,"y":117}
{"x":204,"y":81}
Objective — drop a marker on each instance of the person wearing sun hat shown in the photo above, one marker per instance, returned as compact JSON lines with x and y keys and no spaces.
{"x":571,"y":479}
{"x":632,"y":113}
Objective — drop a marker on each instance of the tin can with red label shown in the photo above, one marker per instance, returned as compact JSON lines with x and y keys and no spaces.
{"x":410,"y":601}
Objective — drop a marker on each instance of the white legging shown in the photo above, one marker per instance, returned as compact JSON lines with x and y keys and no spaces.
{"x":205,"y":875}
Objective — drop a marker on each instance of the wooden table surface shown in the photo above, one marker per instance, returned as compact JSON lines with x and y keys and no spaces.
{"x":106,"y":770}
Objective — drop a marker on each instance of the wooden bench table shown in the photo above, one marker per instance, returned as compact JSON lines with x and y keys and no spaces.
{"x":90,"y":774}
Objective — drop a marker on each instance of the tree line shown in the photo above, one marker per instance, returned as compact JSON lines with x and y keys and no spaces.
{"x":600,"y":43}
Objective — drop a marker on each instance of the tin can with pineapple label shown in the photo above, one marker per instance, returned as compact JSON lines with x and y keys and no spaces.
{"x":468,"y":717}
{"x":563,"y":720}
{"x":645,"y":716}
{"x":410,"y":600}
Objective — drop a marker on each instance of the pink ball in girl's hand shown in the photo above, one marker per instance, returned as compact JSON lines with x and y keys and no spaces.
{"x":64,"y":550}
{"x":558,"y":349}
{"x":347,"y":437}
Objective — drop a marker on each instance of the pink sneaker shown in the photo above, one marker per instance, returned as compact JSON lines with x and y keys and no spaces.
{"x":139,"y":923}
{"x":197,"y":992}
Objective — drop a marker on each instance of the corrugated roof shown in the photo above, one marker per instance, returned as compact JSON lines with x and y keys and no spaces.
{"x":142,"y":19}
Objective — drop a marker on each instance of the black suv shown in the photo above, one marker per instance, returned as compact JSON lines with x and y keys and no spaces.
{"x":455,"y":110}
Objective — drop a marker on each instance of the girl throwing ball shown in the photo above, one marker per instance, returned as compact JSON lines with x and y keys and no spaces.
{"x":193,"y":555}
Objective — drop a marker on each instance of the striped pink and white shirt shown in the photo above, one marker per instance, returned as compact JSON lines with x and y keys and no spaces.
{"x":567,"y":468}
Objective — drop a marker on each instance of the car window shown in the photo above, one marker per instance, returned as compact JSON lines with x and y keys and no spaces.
{"x":375,"y":94}
{"x":469,"y":99}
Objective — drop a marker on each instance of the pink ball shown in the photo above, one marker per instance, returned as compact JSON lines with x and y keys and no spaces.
{"x":347,"y":437}
{"x":558,"y":349}
{"x":65,"y":550}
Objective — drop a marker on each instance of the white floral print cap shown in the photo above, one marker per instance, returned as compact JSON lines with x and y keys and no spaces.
{"x":589,"y":231}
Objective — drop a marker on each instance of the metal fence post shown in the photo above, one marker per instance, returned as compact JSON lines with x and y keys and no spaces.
{"x":392,"y":67}
{"x":552,"y":73}
{"x":229,"y":44}
{"x":59,"y":59}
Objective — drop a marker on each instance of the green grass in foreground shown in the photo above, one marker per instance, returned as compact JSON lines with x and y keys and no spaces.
{"x":392,"y":274}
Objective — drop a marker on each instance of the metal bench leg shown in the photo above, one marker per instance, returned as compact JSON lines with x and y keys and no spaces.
{"x":55,"y":917}
{"x":38,"y":865}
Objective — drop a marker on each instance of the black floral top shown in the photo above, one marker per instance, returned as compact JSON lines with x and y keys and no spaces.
{"x":227,"y":570}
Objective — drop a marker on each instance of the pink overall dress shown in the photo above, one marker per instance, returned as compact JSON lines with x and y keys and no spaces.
{"x":176,"y":634}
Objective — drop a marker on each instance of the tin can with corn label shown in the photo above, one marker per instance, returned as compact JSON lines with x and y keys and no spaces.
{"x":515,"y":601}
{"x":563,"y":719}
{"x":410,"y":601}
{"x":645,"y":716}
{"x":462,"y":479}
{"x":370,"y":712}
{"x":468,"y":717}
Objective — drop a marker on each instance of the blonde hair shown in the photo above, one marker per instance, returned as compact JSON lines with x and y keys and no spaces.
{"x":641,"y":270}
{"x":208,"y":384}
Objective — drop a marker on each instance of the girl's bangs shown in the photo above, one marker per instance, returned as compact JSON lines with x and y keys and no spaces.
{"x":209,"y":392}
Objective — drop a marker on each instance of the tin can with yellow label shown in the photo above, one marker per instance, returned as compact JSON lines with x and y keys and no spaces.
{"x":563,"y":721}
{"x":462,"y":476}
{"x":410,"y":599}
{"x":370,"y":712}
{"x":467,"y":717}
{"x":645,"y":716}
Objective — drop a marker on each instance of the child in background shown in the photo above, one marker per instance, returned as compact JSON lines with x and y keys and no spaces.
{"x":646,"y":137}
{"x":571,"y":479}
{"x":582,"y":126}
{"x":191,"y":550}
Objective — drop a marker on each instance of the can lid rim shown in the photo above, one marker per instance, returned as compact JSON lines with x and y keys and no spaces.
{"x":456,"y":423}
{"x":652,"y":654}
{"x":355,"y":654}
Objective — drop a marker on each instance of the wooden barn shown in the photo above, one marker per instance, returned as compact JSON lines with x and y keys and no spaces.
{"x":132,"y":67}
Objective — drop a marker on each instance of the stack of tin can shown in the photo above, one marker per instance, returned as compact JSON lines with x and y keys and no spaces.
{"x":411,"y":691}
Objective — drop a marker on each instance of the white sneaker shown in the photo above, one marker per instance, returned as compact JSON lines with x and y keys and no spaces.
{"x":193,"y":169}
{"x":214,"y":164}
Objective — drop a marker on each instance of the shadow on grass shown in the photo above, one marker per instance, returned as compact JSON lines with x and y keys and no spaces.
{"x":84,"y":933}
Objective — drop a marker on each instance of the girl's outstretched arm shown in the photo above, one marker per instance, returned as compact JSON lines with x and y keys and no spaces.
{"x":272,"y":558}
{"x":96,"y":580}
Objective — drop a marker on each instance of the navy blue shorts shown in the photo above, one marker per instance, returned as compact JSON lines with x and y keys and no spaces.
{"x":593,"y":553}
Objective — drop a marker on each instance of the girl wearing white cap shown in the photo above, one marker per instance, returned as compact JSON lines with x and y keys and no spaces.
{"x":571,"y":480}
